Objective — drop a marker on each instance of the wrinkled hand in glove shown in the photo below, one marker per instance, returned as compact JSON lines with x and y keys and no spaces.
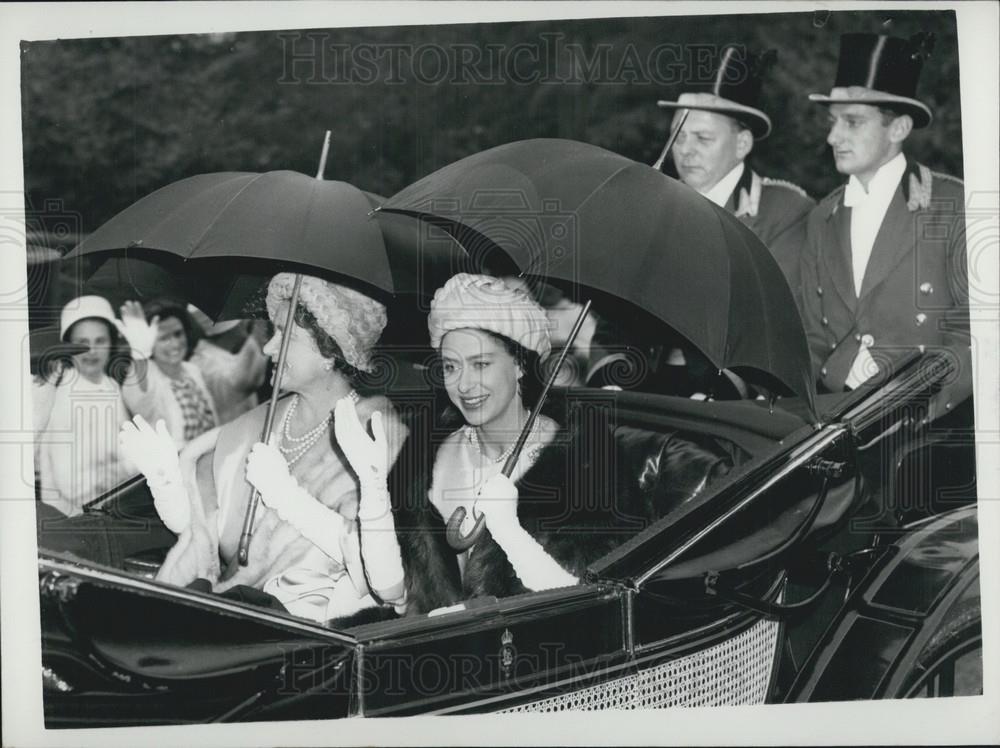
{"x":267,"y":471}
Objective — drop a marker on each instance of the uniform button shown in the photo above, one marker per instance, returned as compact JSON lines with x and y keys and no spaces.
{"x":819,"y":290}
{"x":823,"y":371}
{"x":926,"y":288}
{"x":867,"y":340}
{"x":947,"y":406}
{"x":825,"y":321}
{"x":833,"y":345}
{"x":857,"y":337}
{"x":921,"y":318}
{"x":922,"y":348}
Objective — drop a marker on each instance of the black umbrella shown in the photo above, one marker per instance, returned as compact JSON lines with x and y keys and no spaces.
{"x":279,"y":218}
{"x":578,"y":213}
{"x":420,"y":259}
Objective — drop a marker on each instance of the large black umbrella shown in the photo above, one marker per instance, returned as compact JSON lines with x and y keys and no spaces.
{"x":420,"y":259}
{"x":240,"y":226}
{"x":578,"y":213}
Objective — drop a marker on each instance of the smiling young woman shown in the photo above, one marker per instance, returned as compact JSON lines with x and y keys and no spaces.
{"x":172,"y":388}
{"x":545,"y":522}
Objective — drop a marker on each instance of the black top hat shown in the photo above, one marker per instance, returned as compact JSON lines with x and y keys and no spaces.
{"x":734,"y":89}
{"x":881,"y":70}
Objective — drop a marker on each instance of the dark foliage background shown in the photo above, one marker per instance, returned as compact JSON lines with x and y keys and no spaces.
{"x":107,"y":121}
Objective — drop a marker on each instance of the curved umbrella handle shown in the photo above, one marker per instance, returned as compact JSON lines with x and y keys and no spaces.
{"x":454,"y":535}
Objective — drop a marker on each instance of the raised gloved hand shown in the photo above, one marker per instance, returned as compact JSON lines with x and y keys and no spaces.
{"x":369,"y":456}
{"x":154,"y":453}
{"x":268,"y":472}
{"x":536,"y":569}
{"x":141,"y":335}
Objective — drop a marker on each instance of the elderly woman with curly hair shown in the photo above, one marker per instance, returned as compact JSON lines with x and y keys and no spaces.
{"x":305,"y":551}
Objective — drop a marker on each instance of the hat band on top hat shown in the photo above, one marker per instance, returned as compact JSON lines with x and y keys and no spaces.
{"x":918,"y":111}
{"x":757,"y":121}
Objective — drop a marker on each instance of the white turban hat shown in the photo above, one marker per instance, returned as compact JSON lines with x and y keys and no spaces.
{"x":352,"y":319}
{"x":487,"y":303}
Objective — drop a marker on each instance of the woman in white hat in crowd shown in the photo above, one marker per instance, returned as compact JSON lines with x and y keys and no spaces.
{"x":305,"y":550}
{"x":78,"y":410}
{"x":552,"y":517}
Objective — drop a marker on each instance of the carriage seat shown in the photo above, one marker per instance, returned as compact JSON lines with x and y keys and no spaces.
{"x":670,"y":467}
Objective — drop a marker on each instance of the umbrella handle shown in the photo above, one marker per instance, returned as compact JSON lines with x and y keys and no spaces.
{"x":670,"y":141}
{"x":454,"y":535}
{"x":243,"y":552}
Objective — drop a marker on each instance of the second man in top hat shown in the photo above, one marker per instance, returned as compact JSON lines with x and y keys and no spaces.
{"x":716,"y":137}
{"x":884,"y":267}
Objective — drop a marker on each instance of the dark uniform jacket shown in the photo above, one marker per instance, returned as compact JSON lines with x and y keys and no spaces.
{"x":914,"y":292}
{"x":776,"y":211}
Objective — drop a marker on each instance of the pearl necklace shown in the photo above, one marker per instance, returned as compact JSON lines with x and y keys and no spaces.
{"x":473,"y":436}
{"x":302,"y":444}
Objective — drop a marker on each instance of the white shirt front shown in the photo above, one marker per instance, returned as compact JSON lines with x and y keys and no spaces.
{"x":719,"y":194}
{"x":868,"y":208}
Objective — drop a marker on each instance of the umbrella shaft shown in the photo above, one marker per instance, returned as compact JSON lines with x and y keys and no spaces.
{"x":670,"y":141}
{"x":243,"y":553}
{"x":508,"y":467}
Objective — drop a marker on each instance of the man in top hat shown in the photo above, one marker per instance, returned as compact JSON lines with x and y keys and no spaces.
{"x":716,"y":137}
{"x":884,"y":269}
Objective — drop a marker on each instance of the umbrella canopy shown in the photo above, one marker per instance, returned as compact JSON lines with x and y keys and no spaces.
{"x":299,"y":222}
{"x":578,"y":213}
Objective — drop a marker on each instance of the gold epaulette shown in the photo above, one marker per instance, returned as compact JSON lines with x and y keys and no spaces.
{"x":771,"y":182}
{"x":921,"y":186}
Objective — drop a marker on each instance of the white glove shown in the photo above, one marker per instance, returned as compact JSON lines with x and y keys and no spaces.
{"x":268,"y":472}
{"x":369,"y":457}
{"x":536,"y":569}
{"x":141,"y":335}
{"x":154,"y":453}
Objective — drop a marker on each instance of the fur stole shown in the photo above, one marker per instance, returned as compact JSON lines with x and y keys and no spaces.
{"x":576,"y":500}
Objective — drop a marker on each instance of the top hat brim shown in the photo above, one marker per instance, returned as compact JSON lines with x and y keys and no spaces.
{"x":758,"y":122}
{"x":919,"y":112}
